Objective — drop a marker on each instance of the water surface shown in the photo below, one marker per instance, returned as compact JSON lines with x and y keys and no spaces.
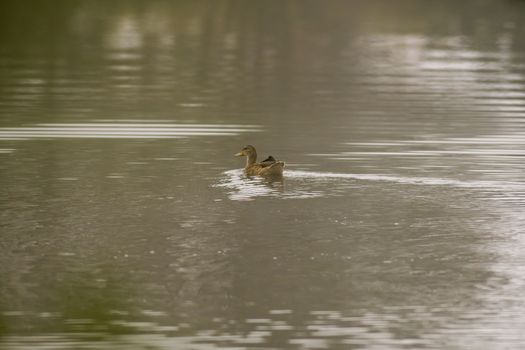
{"x":126,"y":222}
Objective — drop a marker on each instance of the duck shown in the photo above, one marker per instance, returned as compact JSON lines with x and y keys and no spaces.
{"x":268,"y":167}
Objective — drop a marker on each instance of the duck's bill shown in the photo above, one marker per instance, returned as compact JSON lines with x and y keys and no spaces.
{"x":240,"y":154}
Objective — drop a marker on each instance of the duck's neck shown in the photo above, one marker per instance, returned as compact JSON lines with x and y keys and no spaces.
{"x":250,"y":160}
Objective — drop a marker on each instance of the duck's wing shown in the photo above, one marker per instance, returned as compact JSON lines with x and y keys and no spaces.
{"x":268,"y":161}
{"x":275,"y":169}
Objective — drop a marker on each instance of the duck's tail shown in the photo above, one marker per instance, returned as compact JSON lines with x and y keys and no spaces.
{"x":270,"y":159}
{"x":276,"y":168}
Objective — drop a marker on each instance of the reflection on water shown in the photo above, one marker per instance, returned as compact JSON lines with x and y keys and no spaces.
{"x":396,"y":225}
{"x":327,"y":329}
{"x":142,"y":130}
{"x":248,"y":188}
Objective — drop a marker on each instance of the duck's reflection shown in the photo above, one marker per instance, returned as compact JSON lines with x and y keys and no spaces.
{"x":249,"y":187}
{"x":275,"y":181}
{"x":245,"y":188}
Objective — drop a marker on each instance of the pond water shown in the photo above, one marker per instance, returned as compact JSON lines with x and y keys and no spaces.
{"x":127,"y":223}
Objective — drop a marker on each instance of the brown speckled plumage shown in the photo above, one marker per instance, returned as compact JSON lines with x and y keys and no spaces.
{"x":268,"y":167}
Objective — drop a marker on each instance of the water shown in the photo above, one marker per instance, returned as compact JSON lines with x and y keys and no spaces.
{"x":126,"y":222}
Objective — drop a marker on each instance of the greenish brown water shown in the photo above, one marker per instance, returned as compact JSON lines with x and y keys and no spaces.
{"x":126,"y":222}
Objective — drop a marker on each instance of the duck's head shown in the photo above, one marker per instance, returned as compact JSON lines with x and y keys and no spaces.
{"x":247,"y":151}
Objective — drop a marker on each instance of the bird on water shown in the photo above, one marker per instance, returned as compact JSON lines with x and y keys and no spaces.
{"x":268,"y":167}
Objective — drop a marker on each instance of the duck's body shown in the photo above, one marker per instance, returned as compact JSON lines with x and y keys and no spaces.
{"x":268,"y":167}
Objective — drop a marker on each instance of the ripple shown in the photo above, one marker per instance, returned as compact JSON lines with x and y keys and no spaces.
{"x":124,"y":130}
{"x":320,"y":184}
{"x":321,"y":330}
{"x":244,"y":188}
{"x":495,"y":185}
{"x":492,"y":162}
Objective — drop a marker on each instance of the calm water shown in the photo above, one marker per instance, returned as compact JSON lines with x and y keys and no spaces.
{"x":126,"y":222}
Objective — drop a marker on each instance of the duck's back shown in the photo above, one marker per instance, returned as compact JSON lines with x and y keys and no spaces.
{"x":275,"y":168}
{"x":268,"y":161}
{"x":268,"y":167}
